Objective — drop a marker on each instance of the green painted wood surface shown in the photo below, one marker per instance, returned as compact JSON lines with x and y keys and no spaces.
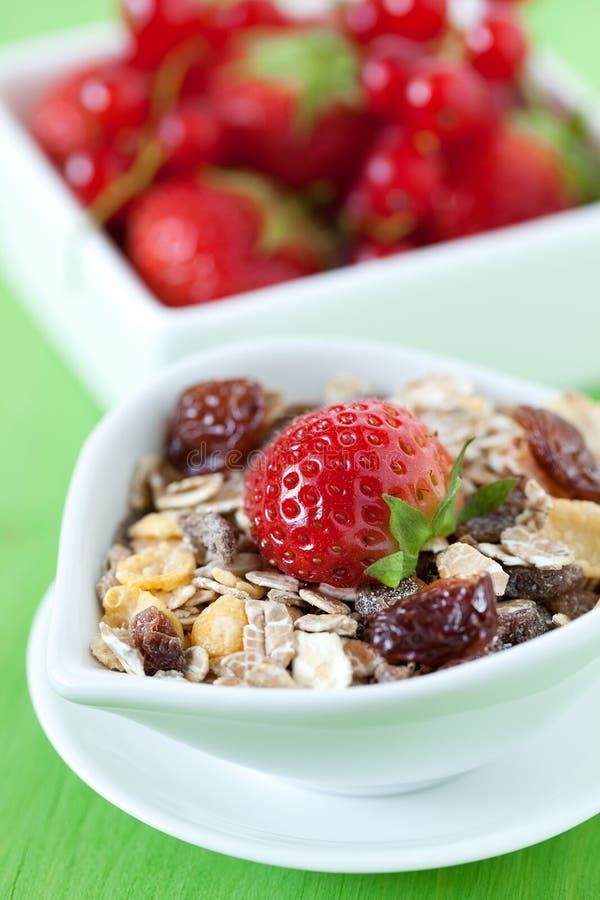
{"x":58,"y":840}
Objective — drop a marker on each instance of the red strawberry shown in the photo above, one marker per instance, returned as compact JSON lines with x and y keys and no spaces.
{"x":513,"y":178}
{"x":90,"y":106}
{"x":315,"y":495}
{"x":224,"y":232}
{"x":291,"y":102}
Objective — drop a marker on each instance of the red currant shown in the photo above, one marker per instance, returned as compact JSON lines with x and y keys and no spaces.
{"x":497,"y":46}
{"x":418,"y":20}
{"x":116,"y":96}
{"x":388,"y":65}
{"x":248,"y":14}
{"x":157,"y":26}
{"x":191,"y":135}
{"x":89,"y":172}
{"x":451,"y":101}
{"x":396,"y":188}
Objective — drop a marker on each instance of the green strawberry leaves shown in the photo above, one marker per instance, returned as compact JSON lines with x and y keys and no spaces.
{"x":486,"y":499}
{"x":317,"y":64}
{"x":413,"y":531}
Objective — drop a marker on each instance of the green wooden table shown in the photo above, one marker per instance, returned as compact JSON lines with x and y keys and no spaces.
{"x":57,"y":838}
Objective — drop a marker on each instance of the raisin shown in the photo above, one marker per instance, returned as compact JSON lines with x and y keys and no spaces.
{"x":574,"y":603}
{"x":373,"y":598}
{"x":427,"y":569}
{"x":211,"y":533}
{"x":215,"y":425}
{"x":521,"y":620}
{"x":451,"y":620}
{"x":157,"y":640}
{"x":560,"y":449}
{"x":540,"y":584}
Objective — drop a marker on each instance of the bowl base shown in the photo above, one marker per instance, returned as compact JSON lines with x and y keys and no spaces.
{"x":369,"y":790}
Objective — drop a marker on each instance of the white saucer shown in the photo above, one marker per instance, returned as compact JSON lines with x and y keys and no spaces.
{"x":529,"y":797}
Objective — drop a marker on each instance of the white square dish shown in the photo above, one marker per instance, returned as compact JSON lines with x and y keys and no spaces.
{"x":366,"y":740}
{"x":523,"y":299}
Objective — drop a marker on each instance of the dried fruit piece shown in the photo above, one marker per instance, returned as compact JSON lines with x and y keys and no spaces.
{"x":583,"y":413}
{"x":123,"y":601}
{"x":450,"y":621}
{"x":520,"y":620}
{"x":574,"y":603}
{"x":320,"y":661}
{"x":156,"y":527}
{"x":161,"y":568}
{"x":373,"y":598}
{"x":541,"y":584}
{"x":577,"y":524}
{"x":559,"y":448}
{"x":157,"y":640}
{"x":220,"y":627}
{"x":210,"y":533}
{"x":215,"y":423}
{"x":463,"y":561}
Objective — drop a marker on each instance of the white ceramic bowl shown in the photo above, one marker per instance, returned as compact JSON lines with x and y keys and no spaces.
{"x":498,"y":299}
{"x":371,"y":739}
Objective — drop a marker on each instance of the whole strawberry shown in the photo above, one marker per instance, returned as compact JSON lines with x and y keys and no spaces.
{"x":223,"y":232}
{"x":315,"y":497}
{"x":515,"y":177}
{"x":291,"y":101}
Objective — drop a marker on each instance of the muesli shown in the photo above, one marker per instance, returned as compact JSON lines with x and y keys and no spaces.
{"x":370,"y":540}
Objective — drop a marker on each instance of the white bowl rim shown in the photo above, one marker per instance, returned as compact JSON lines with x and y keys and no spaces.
{"x":103,"y":687}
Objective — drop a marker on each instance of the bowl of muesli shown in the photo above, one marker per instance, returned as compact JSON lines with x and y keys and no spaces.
{"x":363,"y":582}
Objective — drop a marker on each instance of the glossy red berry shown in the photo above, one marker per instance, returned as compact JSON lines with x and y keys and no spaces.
{"x":314,"y":496}
{"x":191,"y":135}
{"x":89,"y":107}
{"x":396,"y":189}
{"x":89,"y":172}
{"x":157,"y":26}
{"x":418,"y":20}
{"x":389,"y":63}
{"x":497,"y":46}
{"x":450,"y":101}
{"x":233,"y":16}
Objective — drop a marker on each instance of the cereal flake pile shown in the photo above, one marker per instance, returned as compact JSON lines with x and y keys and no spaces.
{"x":187,"y":595}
